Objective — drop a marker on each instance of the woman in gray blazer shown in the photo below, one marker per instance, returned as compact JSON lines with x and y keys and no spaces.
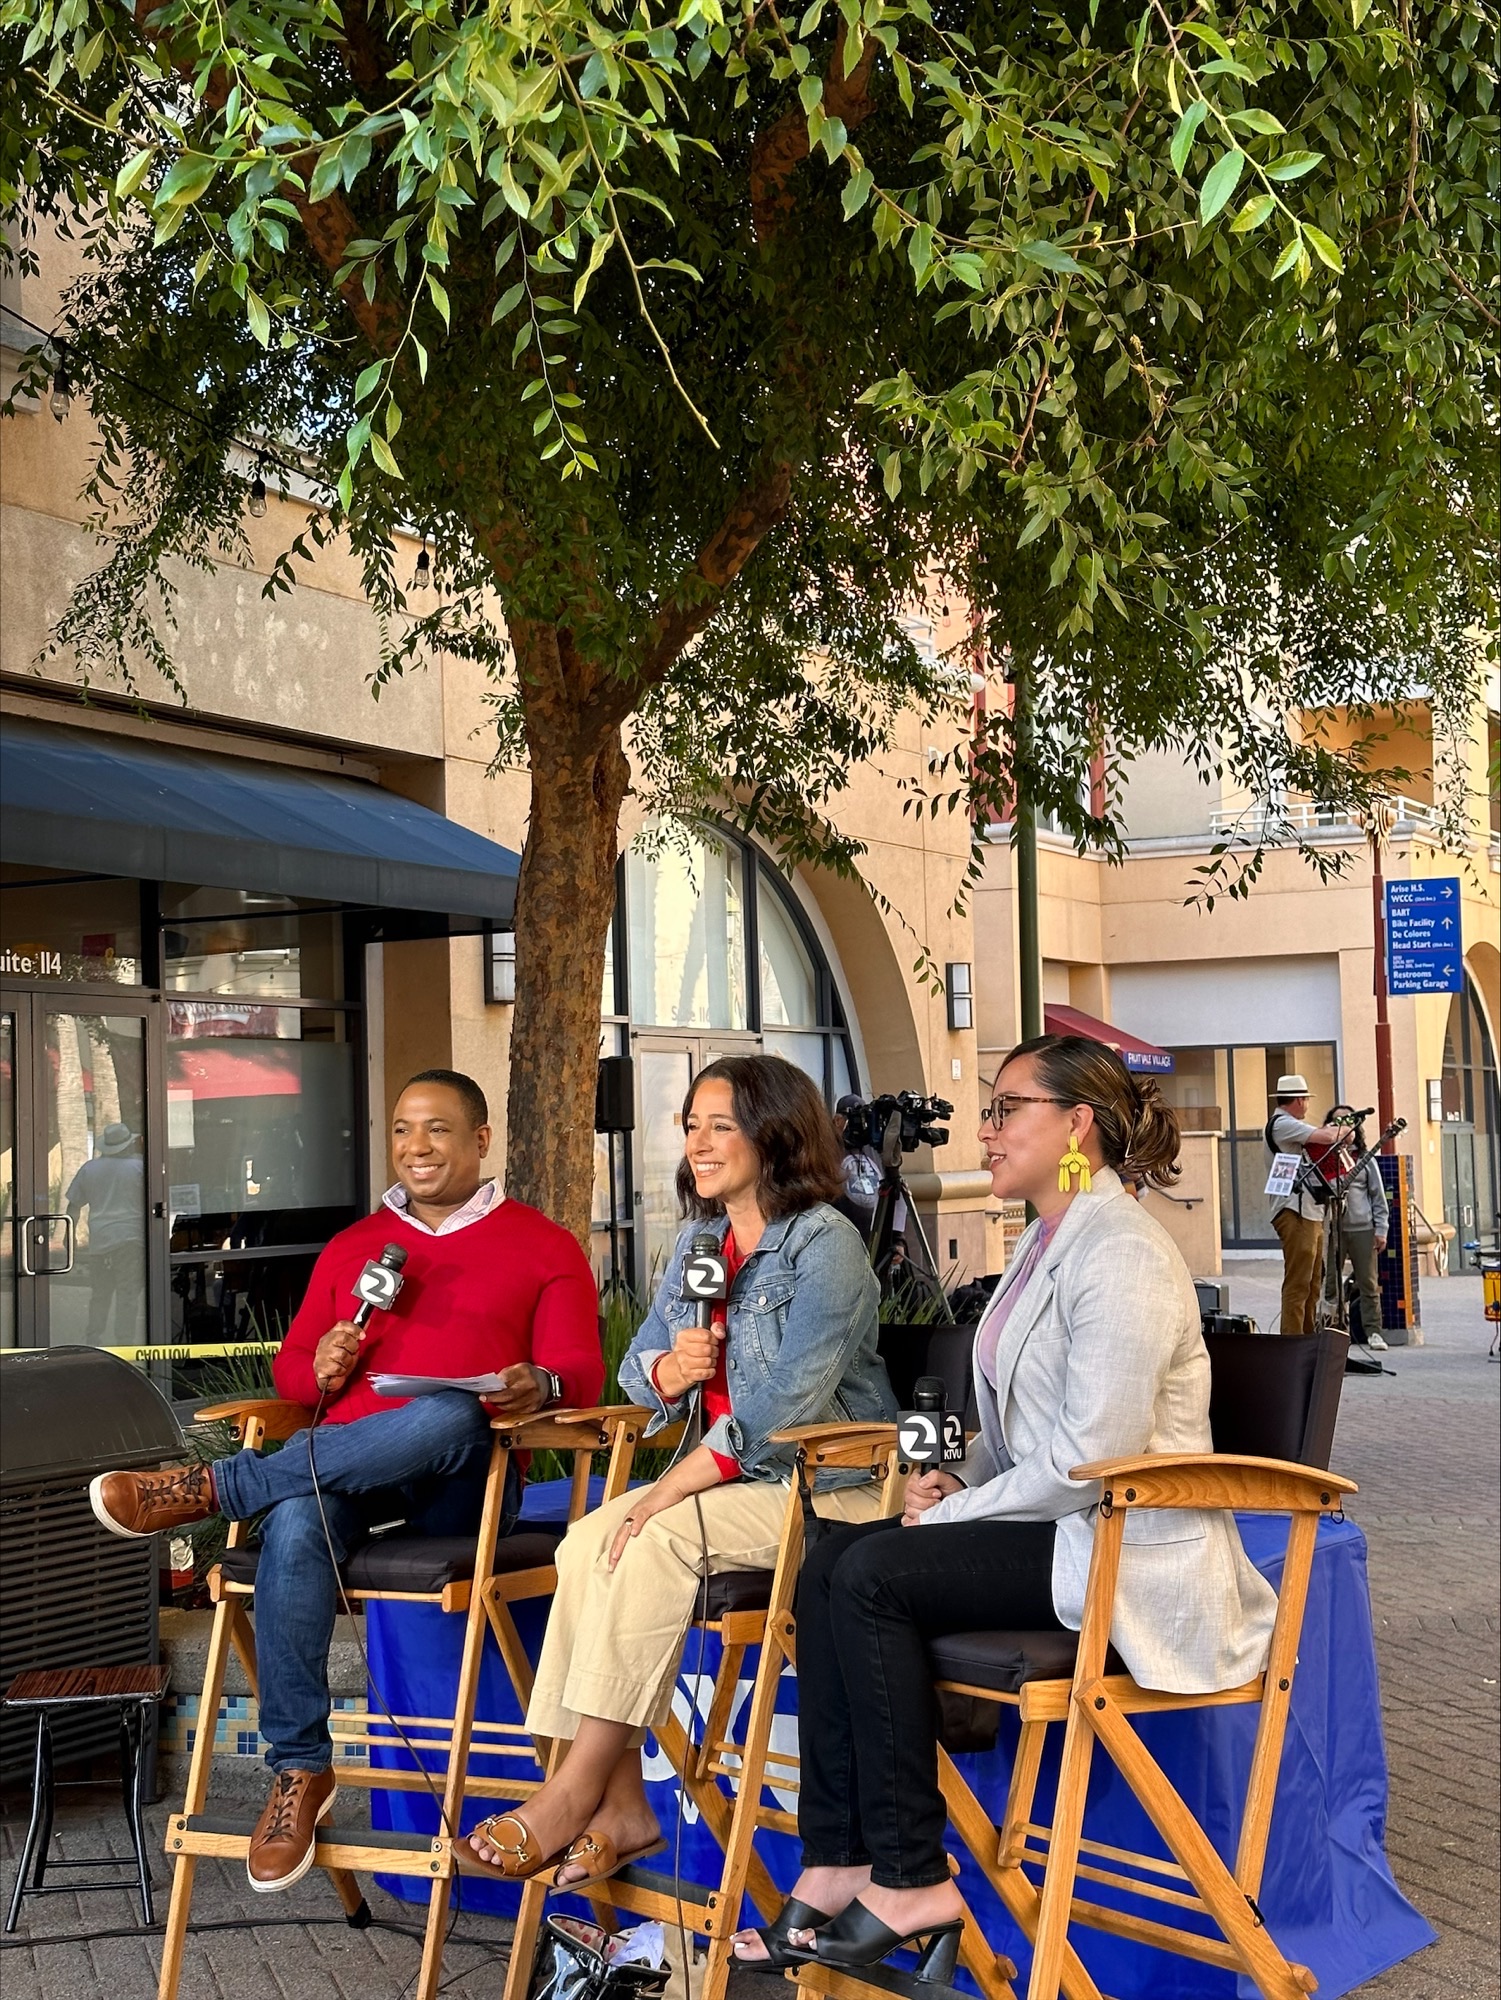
{"x":1090,"y":1349}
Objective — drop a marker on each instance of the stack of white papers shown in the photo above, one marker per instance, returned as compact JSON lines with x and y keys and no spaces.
{"x":429,"y":1385}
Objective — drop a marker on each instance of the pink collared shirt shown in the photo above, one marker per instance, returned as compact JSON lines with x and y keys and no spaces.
{"x":478,"y":1206}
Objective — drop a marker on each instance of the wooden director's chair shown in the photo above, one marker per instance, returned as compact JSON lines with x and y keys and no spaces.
{"x":1077,"y":1680}
{"x":476,"y":1577}
{"x":746,"y":1609}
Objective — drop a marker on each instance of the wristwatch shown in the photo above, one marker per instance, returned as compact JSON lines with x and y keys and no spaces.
{"x":554,"y":1384}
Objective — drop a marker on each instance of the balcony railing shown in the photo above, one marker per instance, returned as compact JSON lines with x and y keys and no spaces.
{"x":1302,"y":816}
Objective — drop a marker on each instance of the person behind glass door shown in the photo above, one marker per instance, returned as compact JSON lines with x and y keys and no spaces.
{"x":1090,"y":1349}
{"x":795,"y":1344}
{"x":112,"y":1187}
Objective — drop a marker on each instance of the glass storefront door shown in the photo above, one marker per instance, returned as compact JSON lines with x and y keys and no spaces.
{"x":8,"y":1270}
{"x":73,"y":1178}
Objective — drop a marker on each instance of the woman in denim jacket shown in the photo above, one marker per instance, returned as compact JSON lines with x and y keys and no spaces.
{"x":793,"y":1343}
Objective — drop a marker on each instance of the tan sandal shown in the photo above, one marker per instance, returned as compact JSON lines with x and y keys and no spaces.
{"x":596,"y":1851}
{"x":519,"y":1859}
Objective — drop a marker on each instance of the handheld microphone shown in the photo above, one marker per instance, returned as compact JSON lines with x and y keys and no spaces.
{"x":706,"y":1280}
{"x":377,"y":1285}
{"x":706,"y":1277}
{"x":930,"y":1433}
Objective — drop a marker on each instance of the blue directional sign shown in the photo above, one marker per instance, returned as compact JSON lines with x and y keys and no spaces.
{"x":1424,"y":946}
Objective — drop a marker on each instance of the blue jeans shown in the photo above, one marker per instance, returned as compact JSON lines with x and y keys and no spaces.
{"x":424,"y":1463}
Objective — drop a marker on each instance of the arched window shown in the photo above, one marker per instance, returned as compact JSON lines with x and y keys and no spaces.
{"x":710,"y":955}
{"x":1471,"y":1135}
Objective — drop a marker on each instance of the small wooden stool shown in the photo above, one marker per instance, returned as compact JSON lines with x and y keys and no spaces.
{"x":133,"y":1690}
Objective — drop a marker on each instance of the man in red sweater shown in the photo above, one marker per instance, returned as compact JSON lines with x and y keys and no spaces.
{"x":488,"y":1286}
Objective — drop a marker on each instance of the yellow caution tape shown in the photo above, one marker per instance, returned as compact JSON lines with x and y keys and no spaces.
{"x":208,"y":1350}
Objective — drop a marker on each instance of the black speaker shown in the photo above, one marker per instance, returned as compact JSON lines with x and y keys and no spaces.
{"x":615,"y":1095}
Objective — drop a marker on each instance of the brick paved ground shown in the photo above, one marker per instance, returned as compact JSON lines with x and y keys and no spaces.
{"x":1423,"y":1445}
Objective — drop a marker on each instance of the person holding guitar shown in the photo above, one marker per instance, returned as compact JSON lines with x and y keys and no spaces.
{"x":1298,"y":1218}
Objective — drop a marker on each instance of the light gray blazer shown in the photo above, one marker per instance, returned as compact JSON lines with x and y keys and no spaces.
{"x":1102,"y":1358}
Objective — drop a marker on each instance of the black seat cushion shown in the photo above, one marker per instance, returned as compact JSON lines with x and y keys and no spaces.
{"x":1006,"y":1661}
{"x":735,"y":1590}
{"x":419,"y":1565}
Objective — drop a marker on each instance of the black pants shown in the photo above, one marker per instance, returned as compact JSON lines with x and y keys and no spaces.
{"x":869,"y":1598}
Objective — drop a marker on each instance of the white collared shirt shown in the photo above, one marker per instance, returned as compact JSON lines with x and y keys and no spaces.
{"x":475,"y":1209}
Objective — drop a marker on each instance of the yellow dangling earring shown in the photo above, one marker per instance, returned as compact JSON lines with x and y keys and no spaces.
{"x":1073,"y":1162}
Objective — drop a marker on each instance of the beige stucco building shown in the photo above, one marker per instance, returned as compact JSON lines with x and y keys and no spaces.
{"x":233,"y":1045}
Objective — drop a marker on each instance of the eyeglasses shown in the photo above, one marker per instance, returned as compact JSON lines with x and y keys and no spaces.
{"x":997,"y":1112}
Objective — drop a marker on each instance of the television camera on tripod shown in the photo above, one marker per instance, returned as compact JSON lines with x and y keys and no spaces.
{"x":877,"y":1133}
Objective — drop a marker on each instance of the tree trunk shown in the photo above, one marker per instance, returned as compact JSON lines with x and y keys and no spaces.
{"x":564,"y":901}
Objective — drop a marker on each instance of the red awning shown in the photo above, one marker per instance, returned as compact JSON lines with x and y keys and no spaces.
{"x":1133,"y":1052}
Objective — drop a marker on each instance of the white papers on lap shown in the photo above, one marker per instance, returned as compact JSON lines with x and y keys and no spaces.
{"x":429,"y":1385}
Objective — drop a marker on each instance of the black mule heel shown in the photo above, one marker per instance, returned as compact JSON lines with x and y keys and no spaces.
{"x":940,"y":1956}
{"x":794,"y":1915}
{"x":856,"y":1938}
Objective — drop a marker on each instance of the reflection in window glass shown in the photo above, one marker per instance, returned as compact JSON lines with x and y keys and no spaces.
{"x":686,"y":912}
{"x":804,"y":1050}
{"x":55,"y":926}
{"x":280,"y":954}
{"x":95,"y":1083}
{"x":1197,"y":1089}
{"x":260,"y":1112}
{"x":789,"y":985}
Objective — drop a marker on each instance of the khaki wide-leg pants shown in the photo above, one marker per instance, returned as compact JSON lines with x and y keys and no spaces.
{"x":614,"y":1639}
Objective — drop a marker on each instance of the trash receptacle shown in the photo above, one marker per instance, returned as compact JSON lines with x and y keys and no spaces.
{"x":75,"y":1595}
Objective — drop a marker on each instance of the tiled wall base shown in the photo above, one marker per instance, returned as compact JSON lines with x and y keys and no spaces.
{"x":237,"y":1730}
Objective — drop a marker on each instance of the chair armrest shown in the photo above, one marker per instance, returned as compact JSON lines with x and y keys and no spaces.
{"x":281,"y":1419}
{"x":1217,"y":1479}
{"x":814,"y":1434}
{"x":842,"y":1445}
{"x":608,"y":1416}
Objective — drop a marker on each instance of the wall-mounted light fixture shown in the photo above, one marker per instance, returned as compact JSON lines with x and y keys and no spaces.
{"x":956,"y":986}
{"x":500,"y":969}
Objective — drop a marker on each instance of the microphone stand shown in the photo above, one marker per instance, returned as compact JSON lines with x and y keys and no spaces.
{"x":1313,"y":1175}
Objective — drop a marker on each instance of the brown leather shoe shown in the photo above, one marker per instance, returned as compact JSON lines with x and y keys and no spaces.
{"x":135,"y":1504}
{"x":281,"y":1848}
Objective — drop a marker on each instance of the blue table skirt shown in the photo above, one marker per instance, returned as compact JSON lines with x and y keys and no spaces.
{"x":1328,"y":1894}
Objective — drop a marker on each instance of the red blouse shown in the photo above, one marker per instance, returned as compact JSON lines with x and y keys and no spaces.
{"x":716,"y":1391}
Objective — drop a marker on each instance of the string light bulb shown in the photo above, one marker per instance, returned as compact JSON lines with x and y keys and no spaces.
{"x":422,"y":575}
{"x":62,"y":390}
{"x":257,"y":501}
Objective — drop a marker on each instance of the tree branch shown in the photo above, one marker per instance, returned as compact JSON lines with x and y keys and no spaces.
{"x":779,"y":150}
{"x":329,"y":225}
{"x":757,"y":509}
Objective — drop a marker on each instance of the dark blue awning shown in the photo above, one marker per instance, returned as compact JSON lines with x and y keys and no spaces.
{"x":115,"y":805}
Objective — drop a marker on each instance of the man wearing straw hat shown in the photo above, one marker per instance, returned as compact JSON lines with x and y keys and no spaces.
{"x":1297,"y":1218}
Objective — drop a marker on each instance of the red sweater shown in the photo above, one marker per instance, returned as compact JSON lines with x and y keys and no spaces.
{"x":511,"y":1287}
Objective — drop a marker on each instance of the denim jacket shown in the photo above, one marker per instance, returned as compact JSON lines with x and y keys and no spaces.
{"x":801,"y":1342}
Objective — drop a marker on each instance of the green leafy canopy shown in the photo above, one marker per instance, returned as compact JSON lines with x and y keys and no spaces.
{"x":698,"y":344}
{"x":625,"y":245}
